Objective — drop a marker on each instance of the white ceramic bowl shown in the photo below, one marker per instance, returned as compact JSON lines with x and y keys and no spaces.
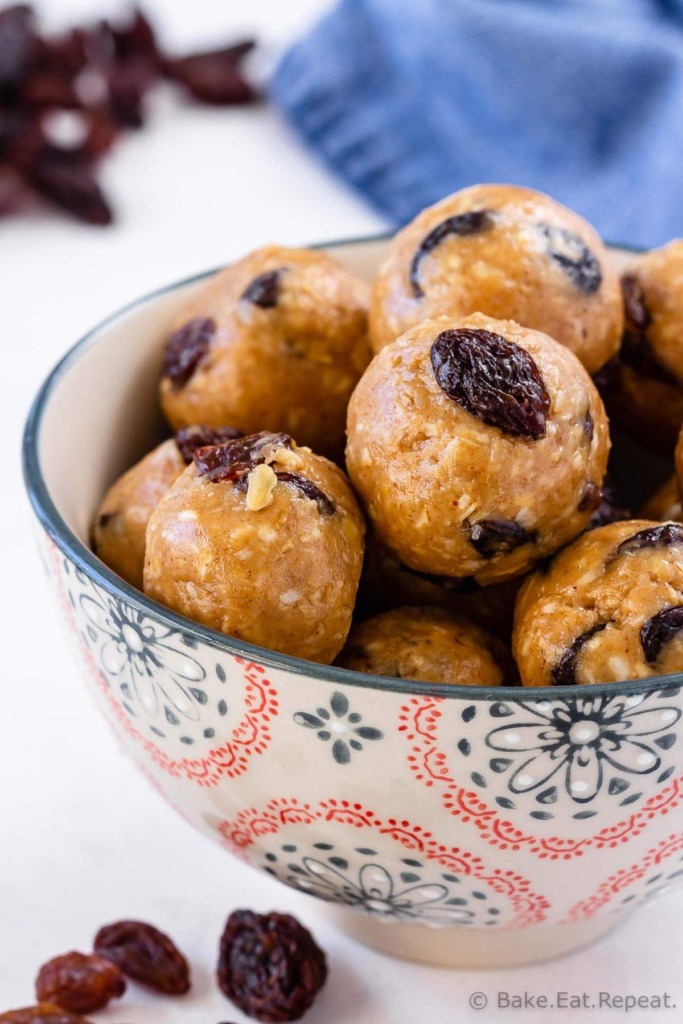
{"x":450,"y":824}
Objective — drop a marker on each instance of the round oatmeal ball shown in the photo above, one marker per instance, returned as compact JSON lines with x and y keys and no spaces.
{"x":608,"y":608}
{"x":478,"y":447}
{"x":120,"y":526}
{"x":275,"y":342}
{"x":262,"y":540}
{"x":643,"y":387}
{"x":511,"y":253}
{"x":428,"y":644}
{"x":665,"y":503}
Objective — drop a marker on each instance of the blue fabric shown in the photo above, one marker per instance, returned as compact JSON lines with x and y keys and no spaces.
{"x":409,"y":100}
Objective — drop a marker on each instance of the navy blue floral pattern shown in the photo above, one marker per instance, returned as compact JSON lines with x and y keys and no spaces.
{"x":339,"y":725}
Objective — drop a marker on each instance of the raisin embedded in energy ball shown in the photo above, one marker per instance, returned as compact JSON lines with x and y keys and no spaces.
{"x":275,"y":342}
{"x":478,"y":446}
{"x":262,"y":540}
{"x":508,"y":252}
{"x":428,"y":644}
{"x":643,"y":388}
{"x":121,"y":522}
{"x":608,"y":608}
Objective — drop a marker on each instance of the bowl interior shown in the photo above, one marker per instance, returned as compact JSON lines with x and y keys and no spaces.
{"x":98,"y":413}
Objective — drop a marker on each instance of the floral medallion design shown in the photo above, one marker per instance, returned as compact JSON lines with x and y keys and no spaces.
{"x":340,"y":725}
{"x":656,"y":873}
{"x":195,"y":719}
{"x":399,"y":873}
{"x":546,"y":762}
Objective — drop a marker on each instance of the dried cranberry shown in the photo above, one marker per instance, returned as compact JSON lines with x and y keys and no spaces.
{"x":234,"y":460}
{"x":270,"y":966}
{"x":43,"y":1013}
{"x":186,"y":348}
{"x":591,"y":498}
{"x":651,"y":537}
{"x":574,"y":257}
{"x":472,"y":223}
{"x":492,"y":537}
{"x":309,"y":490}
{"x":658,"y":631}
{"x":79,"y":983}
{"x":189,"y":439}
{"x":492,"y":379}
{"x":214,"y":77}
{"x":263,"y":290}
{"x":146,"y":955}
{"x":564,"y":672}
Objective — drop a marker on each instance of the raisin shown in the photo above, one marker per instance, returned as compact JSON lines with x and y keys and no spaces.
{"x":79,"y":983}
{"x":472,"y":223}
{"x":611,"y":509}
{"x":16,"y":47}
{"x":135,"y":39}
{"x":651,"y":537}
{"x":658,"y":631}
{"x":189,"y":439}
{"x":146,"y":955}
{"x":270,"y":966}
{"x":309,"y":490}
{"x":214,"y":77}
{"x":637,"y":315}
{"x":591,"y":498}
{"x":493,"y":537}
{"x":68,"y":181}
{"x":234,"y":460}
{"x":589,"y":426}
{"x":574,"y":257}
{"x":186,"y":348}
{"x":492,"y":379}
{"x":564,"y":672}
{"x":263,"y":290}
{"x":43,"y":1013}
{"x":636,"y":350}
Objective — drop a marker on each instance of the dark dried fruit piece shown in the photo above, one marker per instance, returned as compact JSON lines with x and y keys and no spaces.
{"x":79,"y":983}
{"x":186,"y":348}
{"x":574,"y":257}
{"x":462,"y":224}
{"x":214,"y":77}
{"x":588,"y":426}
{"x":493,"y":537}
{"x":190,"y":439}
{"x":658,"y":631}
{"x":651,"y":537}
{"x":270,"y":966}
{"x":309,"y":490}
{"x":263,"y":290}
{"x":611,"y":509}
{"x":68,"y":180}
{"x":146,"y":955}
{"x":492,"y":379}
{"x":636,"y":350}
{"x":591,"y":498}
{"x":43,"y":1013}
{"x":16,"y":47}
{"x":564,"y":672}
{"x":234,"y":460}
{"x":637,"y":314}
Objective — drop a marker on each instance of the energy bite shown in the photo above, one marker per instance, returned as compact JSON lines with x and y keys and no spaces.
{"x":121,"y":522}
{"x":643,"y":388}
{"x":428,"y":644}
{"x":608,"y":608}
{"x":277,"y":341}
{"x":511,"y":253}
{"x":478,"y":447}
{"x":262,"y":540}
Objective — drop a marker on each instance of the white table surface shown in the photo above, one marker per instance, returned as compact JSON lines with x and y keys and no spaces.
{"x":83,"y":839}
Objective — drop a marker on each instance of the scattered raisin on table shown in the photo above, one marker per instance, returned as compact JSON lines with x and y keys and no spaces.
{"x":79,"y":983}
{"x":270,"y":966}
{"x":492,"y":379}
{"x":42,"y":1013}
{"x":146,"y":955}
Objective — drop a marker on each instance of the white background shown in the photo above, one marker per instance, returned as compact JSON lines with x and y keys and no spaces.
{"x":83,"y":839}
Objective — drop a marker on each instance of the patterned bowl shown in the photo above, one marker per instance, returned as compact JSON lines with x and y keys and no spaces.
{"x":451,"y":824}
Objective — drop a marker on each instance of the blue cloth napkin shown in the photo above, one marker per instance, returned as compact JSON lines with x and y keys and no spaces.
{"x":409,"y":100}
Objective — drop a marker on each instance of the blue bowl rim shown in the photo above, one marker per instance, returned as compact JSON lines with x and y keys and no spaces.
{"x":86,"y":560}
